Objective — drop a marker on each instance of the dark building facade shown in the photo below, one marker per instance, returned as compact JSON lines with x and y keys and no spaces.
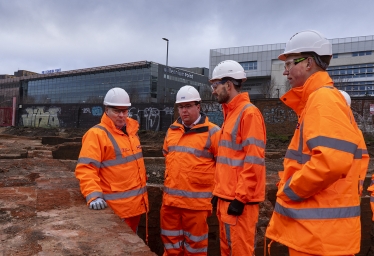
{"x":63,"y":99}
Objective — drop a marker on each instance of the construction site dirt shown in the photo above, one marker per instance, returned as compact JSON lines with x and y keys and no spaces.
{"x":42,"y":211}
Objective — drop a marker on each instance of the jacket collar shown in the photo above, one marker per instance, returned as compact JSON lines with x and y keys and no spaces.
{"x":297,"y":97}
{"x":131,"y":127}
{"x":237,"y":100}
{"x":201,"y":121}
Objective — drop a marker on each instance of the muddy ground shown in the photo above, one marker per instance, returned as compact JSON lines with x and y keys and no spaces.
{"x":20,"y":173}
{"x":152,"y":147}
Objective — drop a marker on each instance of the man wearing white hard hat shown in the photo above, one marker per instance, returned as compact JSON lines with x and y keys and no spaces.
{"x":190,"y":148}
{"x":240,"y":173}
{"x":317,"y":211}
{"x":110,"y":166}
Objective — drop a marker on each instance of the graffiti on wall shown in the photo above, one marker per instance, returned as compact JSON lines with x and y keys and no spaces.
{"x":159,"y":117}
{"x":278,"y":114}
{"x":213,"y":110}
{"x":151,"y":115}
{"x":41,"y":117}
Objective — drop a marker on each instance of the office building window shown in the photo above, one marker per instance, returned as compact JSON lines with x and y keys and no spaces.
{"x":335,"y":56}
{"x":249,"y":65}
{"x":362,"y":53}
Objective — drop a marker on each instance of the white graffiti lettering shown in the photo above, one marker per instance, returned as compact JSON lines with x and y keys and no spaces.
{"x":38,"y":117}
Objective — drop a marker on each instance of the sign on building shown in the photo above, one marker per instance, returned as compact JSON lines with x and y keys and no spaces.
{"x":51,"y":71}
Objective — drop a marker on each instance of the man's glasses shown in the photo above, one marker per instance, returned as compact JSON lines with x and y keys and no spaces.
{"x":118,"y":111}
{"x":287,"y":65}
{"x":215,"y":84}
{"x":187,"y":106}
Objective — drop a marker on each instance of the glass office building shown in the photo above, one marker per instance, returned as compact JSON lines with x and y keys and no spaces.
{"x":145,"y":82}
{"x":351,"y":66}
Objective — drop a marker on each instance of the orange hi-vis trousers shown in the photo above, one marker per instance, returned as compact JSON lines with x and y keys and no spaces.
{"x":133,"y":222}
{"x":237,"y":233}
{"x":184,"y":231}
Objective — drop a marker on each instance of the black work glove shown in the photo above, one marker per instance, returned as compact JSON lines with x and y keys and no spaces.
{"x":214,"y":201}
{"x":235,"y":208}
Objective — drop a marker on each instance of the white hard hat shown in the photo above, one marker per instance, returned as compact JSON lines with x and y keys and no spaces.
{"x":228,"y":68}
{"x":346,"y":97}
{"x":307,"y":41}
{"x":187,"y":93}
{"x":117,"y":97}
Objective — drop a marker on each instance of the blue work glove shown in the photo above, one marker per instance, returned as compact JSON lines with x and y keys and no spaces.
{"x":235,"y":208}
{"x":98,"y":204}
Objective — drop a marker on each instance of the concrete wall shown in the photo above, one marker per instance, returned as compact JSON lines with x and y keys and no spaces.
{"x":279,"y":119}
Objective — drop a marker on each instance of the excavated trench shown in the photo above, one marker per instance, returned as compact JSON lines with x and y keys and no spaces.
{"x":54,"y":151}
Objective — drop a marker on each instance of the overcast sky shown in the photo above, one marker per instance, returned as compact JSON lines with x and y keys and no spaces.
{"x":39,"y":35}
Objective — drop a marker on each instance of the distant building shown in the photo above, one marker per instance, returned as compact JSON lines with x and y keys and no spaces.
{"x":144,"y":81}
{"x":74,"y":98}
{"x":351,"y":67}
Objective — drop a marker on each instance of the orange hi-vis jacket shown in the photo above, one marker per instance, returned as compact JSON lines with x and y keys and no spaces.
{"x":240,"y":171}
{"x":111,"y":166}
{"x":317,"y":210}
{"x":190,"y":164}
{"x":371,"y":189}
{"x":364,"y":162}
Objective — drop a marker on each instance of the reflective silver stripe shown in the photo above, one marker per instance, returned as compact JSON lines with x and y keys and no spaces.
{"x":289,"y":192}
{"x":365,"y":151}
{"x":372,"y":182}
{"x":253,"y":141}
{"x":119,"y":159}
{"x":87,"y":160}
{"x":122,"y":160}
{"x":229,"y":161}
{"x":126,"y":194}
{"x":94,"y":195}
{"x":249,"y":141}
{"x":337,"y":144}
{"x":211,"y":132}
{"x":169,"y":246}
{"x":188,"y":194}
{"x":254,"y":160}
{"x":318,"y":213}
{"x":297,"y":156}
{"x":234,"y":133}
{"x":193,"y":151}
{"x":167,"y":232}
{"x":358,"y":154}
{"x":164,"y":151}
{"x":195,"y":238}
{"x":228,"y":235}
{"x":361,"y":182}
{"x":371,"y":199}
{"x":229,"y":144}
{"x":195,"y":250}
{"x":114,"y":143}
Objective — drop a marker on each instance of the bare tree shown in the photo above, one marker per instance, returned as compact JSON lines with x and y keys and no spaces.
{"x":287,"y":85}
{"x":267,"y":88}
{"x":206,"y":93}
{"x":134,"y":95}
{"x":339,"y":82}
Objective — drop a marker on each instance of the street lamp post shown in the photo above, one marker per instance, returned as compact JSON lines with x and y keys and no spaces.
{"x":167,"y":57}
{"x":278,"y":92}
{"x":167,"y":50}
